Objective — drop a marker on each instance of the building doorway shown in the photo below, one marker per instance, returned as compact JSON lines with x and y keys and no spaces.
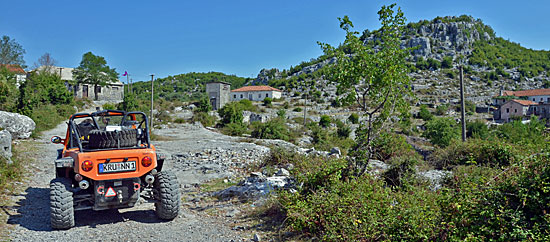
{"x":213,"y":103}
{"x":85,"y":91}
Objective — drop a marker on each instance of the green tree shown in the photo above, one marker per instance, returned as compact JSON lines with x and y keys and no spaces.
{"x":378,"y":78}
{"x":8,"y":90}
{"x":11,"y":52}
{"x":94,"y":70}
{"x":441,"y":131}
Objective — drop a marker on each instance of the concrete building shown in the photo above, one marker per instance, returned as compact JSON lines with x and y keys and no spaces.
{"x":20,"y":74}
{"x":113,"y":91}
{"x":218,"y":93}
{"x":255,"y":93}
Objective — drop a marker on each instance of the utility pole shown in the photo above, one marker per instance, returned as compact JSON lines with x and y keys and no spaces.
{"x":131,"y":83}
{"x":305,"y":111}
{"x":128,"y":82}
{"x":462,"y":106}
{"x":152,"y":91}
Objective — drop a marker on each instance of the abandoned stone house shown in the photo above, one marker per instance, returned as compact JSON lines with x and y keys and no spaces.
{"x":218,"y":93}
{"x":522,"y":104}
{"x":113,"y":91}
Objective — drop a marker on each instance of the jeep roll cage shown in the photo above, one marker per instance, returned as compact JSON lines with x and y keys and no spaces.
{"x":78,"y":133}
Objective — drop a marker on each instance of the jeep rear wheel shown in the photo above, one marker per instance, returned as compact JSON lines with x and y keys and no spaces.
{"x":167,"y":187}
{"x":61,"y":204}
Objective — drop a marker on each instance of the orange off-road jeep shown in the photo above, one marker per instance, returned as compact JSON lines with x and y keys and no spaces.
{"x":108,"y":162}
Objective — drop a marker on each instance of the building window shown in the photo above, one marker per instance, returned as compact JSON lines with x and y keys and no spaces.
{"x":259,"y":95}
{"x":515,"y":110}
{"x":507,"y":110}
{"x":541,"y":99}
{"x":267,"y":95}
{"x":234,"y":95}
{"x":241,"y":96}
{"x":533,"y":99}
{"x":115,"y":89}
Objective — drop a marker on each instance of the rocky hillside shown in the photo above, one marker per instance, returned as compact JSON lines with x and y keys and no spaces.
{"x":438,"y":47}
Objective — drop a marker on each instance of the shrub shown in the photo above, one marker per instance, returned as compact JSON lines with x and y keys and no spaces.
{"x":247,"y":105}
{"x":109,"y":106}
{"x":231,"y":113}
{"x":234,"y":129}
{"x":447,"y":62}
{"x":281,"y":113}
{"x":441,"y":109}
{"x":297,"y":109}
{"x":424,"y":113}
{"x":390,"y":145}
{"x":272,"y":129}
{"x":204,"y":118}
{"x":441,"y":131}
{"x":343,"y":131}
{"x":129,"y":103}
{"x":324,"y":121}
{"x":204,"y":105}
{"x":354,"y":118}
{"x":474,"y":152}
{"x":477,"y":129}
{"x":267,"y":101}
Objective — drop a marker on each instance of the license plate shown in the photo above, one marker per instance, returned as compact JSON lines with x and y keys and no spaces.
{"x":117,"y":167}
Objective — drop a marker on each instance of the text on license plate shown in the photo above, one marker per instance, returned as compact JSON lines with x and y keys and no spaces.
{"x":117,"y":167}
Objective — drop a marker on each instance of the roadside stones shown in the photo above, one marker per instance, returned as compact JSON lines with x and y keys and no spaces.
{"x":282,"y":172}
{"x":5,"y":145}
{"x":255,"y":186}
{"x":20,"y":126}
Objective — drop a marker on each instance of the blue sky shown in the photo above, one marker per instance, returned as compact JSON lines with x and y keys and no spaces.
{"x":235,"y":37}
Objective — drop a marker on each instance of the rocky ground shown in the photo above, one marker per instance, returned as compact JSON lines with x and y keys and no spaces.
{"x":196,"y":154}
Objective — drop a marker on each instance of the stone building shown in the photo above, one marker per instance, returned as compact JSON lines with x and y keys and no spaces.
{"x":218,"y":93}
{"x":112,"y":92}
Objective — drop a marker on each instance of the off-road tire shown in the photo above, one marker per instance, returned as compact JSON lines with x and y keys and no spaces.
{"x":167,"y":186}
{"x":61,"y":204}
{"x":100,"y":139}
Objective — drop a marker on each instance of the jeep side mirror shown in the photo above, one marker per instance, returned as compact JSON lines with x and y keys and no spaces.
{"x":57,"y":140}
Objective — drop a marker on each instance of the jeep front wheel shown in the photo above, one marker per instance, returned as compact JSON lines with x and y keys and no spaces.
{"x":167,"y":188}
{"x":61,"y":204}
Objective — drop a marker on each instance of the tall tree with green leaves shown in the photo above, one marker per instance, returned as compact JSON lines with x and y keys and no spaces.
{"x":94,"y":70}
{"x":11,"y":52}
{"x":375,"y":77}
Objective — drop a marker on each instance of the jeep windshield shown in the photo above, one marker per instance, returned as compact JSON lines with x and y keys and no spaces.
{"x":108,"y":129}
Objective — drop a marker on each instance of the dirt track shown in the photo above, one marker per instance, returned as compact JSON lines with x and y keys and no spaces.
{"x":30,"y":219}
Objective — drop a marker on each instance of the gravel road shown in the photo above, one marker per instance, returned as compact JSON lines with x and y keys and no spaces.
{"x":31,"y":221}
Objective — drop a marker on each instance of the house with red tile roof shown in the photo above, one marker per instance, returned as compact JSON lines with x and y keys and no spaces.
{"x":255,"y":93}
{"x":517,"y":108}
{"x":20,"y":74}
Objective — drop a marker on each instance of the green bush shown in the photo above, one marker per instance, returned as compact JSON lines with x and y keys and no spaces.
{"x":441,"y":109}
{"x":297,"y":109}
{"x":272,"y":129}
{"x":354,"y":118}
{"x":231,"y":113}
{"x":389,"y":145}
{"x":267,"y":101}
{"x":247,"y":105}
{"x":325,"y":121}
{"x":204,"y":105}
{"x":474,"y":152}
{"x":234,"y":129}
{"x":441,"y":131}
{"x":477,"y":129}
{"x":204,"y":118}
{"x":109,"y":106}
{"x":447,"y":62}
{"x":424,"y":113}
